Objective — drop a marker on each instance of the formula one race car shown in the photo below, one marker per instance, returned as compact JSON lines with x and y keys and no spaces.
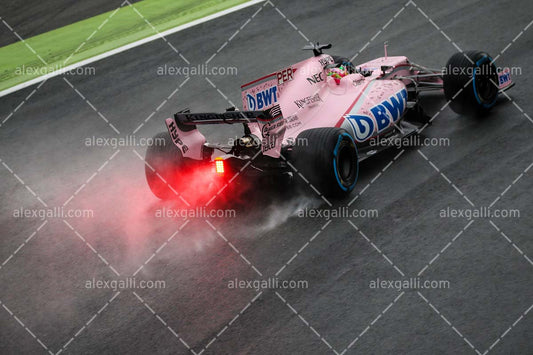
{"x":314,"y":121}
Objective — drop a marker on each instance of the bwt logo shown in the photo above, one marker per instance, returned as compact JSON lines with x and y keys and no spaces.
{"x":504,"y":78}
{"x":382,"y":116}
{"x":262,"y":99}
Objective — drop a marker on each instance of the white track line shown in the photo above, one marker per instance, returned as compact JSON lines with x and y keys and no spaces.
{"x":128,"y":46}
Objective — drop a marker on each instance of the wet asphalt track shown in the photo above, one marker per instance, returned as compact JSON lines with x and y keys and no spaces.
{"x":43,"y":283}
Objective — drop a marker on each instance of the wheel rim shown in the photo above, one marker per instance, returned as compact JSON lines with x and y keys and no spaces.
{"x":486,"y":92}
{"x":346,"y":162}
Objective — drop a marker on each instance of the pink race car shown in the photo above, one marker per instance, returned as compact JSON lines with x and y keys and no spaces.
{"x":315,"y":120}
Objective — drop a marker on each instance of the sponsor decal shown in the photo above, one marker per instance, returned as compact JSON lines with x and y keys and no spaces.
{"x":316,"y":78}
{"x":381,"y":116}
{"x":262,"y":98}
{"x":293,"y":121}
{"x":504,"y":78}
{"x":272,"y":133}
{"x":325,"y":61}
{"x":173,"y":130}
{"x":358,"y":81}
{"x":309,"y":100}
{"x":272,"y":130}
{"x":285,"y":75}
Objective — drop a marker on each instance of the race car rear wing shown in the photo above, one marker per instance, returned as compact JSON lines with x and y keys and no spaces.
{"x":192,"y":119}
{"x":270,"y":124}
{"x":185,"y":117}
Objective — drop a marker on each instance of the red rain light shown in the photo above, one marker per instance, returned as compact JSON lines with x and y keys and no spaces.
{"x":219,"y":165}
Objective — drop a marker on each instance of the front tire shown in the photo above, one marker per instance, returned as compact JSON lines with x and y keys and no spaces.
{"x":469,"y":82}
{"x":327,"y":158}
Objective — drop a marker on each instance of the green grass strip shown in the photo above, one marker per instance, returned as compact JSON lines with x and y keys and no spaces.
{"x":18,"y":64}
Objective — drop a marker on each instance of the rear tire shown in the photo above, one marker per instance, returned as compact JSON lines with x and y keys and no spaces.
{"x":469,"y":85}
{"x":328,"y":160}
{"x":163,"y":163}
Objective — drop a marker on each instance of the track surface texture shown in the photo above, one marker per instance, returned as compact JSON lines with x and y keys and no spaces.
{"x":46,"y":305}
